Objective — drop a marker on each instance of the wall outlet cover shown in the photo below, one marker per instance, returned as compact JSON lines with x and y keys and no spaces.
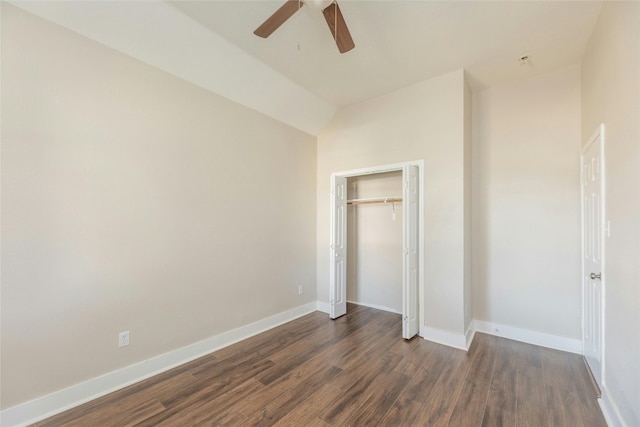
{"x":123,"y":339}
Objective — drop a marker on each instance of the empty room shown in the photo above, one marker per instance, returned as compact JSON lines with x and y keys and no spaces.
{"x":320,"y":213}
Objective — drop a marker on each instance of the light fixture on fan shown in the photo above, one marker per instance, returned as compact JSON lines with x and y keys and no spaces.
{"x":332,"y":15}
{"x":318,"y":4}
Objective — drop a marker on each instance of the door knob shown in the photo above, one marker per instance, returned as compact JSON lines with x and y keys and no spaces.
{"x":595,"y":276}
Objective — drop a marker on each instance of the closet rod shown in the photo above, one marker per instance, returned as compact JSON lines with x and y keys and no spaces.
{"x":374,"y":200}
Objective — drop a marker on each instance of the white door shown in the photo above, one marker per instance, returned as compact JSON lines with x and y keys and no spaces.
{"x":592,"y":181}
{"x":338,"y":265}
{"x":410,"y":317}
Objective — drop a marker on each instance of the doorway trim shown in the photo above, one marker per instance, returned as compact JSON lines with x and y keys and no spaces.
{"x":420,"y":223}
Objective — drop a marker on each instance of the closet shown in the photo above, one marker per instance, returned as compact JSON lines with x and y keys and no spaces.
{"x":375,"y":197}
{"x":374,"y":240}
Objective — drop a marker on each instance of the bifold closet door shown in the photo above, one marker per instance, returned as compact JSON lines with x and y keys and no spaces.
{"x":338,"y":266}
{"x":410,"y":317}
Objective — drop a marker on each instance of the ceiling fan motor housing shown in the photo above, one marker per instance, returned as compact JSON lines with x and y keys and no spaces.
{"x":318,"y":4}
{"x":332,"y":15}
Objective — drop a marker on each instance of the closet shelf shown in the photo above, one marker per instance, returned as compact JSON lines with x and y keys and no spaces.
{"x":374,"y":200}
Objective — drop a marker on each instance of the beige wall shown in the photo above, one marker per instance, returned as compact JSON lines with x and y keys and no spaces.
{"x":611,"y":95}
{"x":526,"y":204}
{"x":374,"y":242}
{"x":420,"y":122}
{"x":132,"y":200}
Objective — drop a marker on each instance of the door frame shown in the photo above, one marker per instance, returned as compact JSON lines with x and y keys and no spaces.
{"x":420,"y":223}
{"x":597,"y":137}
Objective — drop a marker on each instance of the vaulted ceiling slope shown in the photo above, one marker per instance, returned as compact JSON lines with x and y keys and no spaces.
{"x":297,"y":74}
{"x":162,"y":36}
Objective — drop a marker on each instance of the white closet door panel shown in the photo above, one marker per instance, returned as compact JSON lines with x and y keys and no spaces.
{"x":338,"y":271}
{"x":410,"y":318}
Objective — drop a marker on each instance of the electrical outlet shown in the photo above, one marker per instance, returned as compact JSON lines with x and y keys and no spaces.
{"x":299,"y":290}
{"x":123,"y":339}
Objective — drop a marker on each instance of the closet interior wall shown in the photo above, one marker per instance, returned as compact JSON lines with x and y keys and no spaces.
{"x":374,"y":242}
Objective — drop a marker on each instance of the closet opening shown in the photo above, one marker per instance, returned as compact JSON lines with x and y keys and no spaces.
{"x":376,"y":218}
{"x":374,"y":241}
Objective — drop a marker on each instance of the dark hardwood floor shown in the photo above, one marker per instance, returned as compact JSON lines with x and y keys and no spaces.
{"x":356,"y":371}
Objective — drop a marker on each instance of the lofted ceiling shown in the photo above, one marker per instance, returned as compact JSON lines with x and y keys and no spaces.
{"x":399,"y":42}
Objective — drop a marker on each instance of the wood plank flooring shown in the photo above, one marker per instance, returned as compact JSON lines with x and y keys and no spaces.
{"x":355,"y":371}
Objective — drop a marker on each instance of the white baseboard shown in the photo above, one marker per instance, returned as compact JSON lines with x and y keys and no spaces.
{"x":323,"y":307}
{"x":531,"y":337}
{"x":377,"y":307}
{"x":443,"y":337}
{"x":59,"y":401}
{"x":610,"y":410}
{"x":470,"y":335}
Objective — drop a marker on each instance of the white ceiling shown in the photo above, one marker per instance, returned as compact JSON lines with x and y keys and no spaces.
{"x":399,"y":43}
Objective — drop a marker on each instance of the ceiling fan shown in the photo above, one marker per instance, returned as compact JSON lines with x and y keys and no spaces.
{"x":332,"y":15}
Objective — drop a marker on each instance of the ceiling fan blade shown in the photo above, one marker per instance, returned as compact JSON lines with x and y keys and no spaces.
{"x":278,"y":18}
{"x":338,"y":27}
